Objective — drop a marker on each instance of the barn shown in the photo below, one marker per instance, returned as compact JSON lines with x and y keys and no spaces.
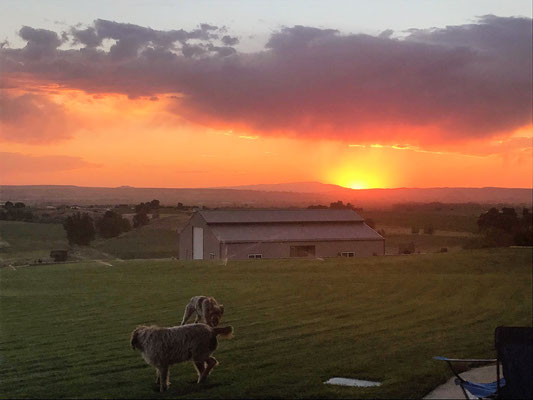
{"x":244,"y":234}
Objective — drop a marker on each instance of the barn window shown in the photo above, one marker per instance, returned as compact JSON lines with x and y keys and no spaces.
{"x":255,"y":256}
{"x":302,"y":251}
{"x":347,"y":254}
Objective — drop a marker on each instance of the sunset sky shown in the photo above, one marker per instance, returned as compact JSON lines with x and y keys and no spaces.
{"x":198,"y":93}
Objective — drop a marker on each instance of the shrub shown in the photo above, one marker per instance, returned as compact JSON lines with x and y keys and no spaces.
{"x":415,"y":230}
{"x":80,"y":229}
{"x":140,"y":219}
{"x":112,"y":224}
{"x":429,"y":230}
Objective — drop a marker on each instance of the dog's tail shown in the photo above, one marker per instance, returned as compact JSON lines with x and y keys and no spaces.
{"x":226,"y":332}
{"x":134,"y":340}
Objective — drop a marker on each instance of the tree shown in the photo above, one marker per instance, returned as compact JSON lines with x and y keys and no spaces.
{"x":142,"y":208}
{"x":338,"y":205}
{"x":19,"y":204}
{"x":140,"y":219}
{"x":80,"y":229}
{"x":505,"y":228}
{"x":8,"y":205}
{"x":154,"y":204}
{"x":112,"y":224}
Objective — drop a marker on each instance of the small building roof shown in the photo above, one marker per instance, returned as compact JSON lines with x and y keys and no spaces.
{"x":278,"y":216}
{"x":282,"y":232}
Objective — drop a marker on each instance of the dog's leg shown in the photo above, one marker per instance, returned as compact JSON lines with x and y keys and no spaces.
{"x":189,"y":310}
{"x":211,"y":363}
{"x":163,"y":379}
{"x":157,"y":377}
{"x":199,"y":366}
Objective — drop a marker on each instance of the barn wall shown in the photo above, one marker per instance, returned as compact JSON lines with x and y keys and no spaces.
{"x":362,"y":248}
{"x":211,"y":244}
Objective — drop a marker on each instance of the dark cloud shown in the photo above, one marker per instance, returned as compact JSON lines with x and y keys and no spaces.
{"x":40,"y":42}
{"x":458,"y":82}
{"x":229,"y":40}
{"x":88,"y":37}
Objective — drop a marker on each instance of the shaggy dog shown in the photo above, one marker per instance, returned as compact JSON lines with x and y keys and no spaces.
{"x":206,"y":308}
{"x":162,"y":347}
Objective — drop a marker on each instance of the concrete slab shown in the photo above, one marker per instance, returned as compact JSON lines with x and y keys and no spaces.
{"x":351,"y":382}
{"x":450,"y":390}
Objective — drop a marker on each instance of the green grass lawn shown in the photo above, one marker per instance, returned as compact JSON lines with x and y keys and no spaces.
{"x":65,"y":328}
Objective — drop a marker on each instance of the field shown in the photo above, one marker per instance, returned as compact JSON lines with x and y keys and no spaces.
{"x":65,"y":328}
{"x":25,"y":242}
{"x":159,"y":239}
{"x":441,"y":220}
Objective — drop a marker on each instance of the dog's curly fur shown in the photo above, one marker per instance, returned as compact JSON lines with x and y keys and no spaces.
{"x":162,"y":347}
{"x":207,"y":310}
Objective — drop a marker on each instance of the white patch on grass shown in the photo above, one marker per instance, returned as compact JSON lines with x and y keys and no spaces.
{"x":104,"y":263}
{"x":351,"y":382}
{"x":3,"y":244}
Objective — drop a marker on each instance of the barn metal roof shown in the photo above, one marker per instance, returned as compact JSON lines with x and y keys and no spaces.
{"x":283,"y":232}
{"x":277,"y":216}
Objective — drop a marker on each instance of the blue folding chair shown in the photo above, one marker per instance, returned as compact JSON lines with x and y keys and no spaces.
{"x":514,"y":349}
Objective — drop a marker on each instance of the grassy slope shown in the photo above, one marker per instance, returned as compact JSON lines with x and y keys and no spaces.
{"x":29,"y":241}
{"x":65,"y":328}
{"x":23,"y":242}
{"x":157,"y":240}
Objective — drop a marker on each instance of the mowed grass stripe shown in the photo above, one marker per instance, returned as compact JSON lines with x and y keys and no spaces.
{"x":297,"y":323}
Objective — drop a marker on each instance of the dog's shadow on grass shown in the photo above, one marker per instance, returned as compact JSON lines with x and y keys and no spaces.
{"x":185,"y":388}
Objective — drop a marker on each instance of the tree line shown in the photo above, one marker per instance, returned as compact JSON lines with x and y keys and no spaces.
{"x":82,"y":229}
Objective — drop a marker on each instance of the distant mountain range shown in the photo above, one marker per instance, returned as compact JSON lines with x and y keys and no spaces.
{"x":299,"y":194}
{"x":298,"y":187}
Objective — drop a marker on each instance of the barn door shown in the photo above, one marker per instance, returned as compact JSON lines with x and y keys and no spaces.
{"x":197,"y":243}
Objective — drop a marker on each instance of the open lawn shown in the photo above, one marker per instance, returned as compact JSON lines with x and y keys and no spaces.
{"x":65,"y":328}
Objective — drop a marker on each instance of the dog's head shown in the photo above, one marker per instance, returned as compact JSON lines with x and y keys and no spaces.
{"x":137,"y":336}
{"x":214,"y":313}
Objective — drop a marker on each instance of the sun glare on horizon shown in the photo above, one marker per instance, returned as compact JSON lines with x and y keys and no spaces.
{"x":356,"y":180}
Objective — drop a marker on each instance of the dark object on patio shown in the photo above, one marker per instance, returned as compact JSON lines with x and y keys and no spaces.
{"x":59,"y":255}
{"x":514,"y":349}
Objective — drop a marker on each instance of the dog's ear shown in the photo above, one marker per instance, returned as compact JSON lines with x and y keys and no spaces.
{"x":221,"y":306}
{"x":133,"y":339}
